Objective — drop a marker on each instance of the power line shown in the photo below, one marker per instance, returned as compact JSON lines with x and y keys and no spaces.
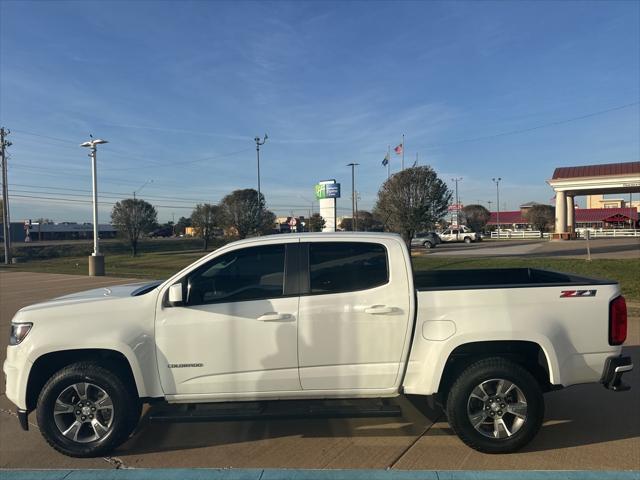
{"x":65,"y":140}
{"x":187,"y":162}
{"x":76,"y":200}
{"x":537,"y":127}
{"x":128,"y":156}
{"x":70,"y":200}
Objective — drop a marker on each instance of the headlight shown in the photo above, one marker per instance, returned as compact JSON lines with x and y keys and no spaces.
{"x":19,"y":332}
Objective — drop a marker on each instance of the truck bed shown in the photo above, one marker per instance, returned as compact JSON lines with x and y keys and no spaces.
{"x":481,"y":278}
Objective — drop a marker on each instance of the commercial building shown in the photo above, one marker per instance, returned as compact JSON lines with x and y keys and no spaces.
{"x":584,"y":218}
{"x":36,"y":232}
{"x":569,"y":182}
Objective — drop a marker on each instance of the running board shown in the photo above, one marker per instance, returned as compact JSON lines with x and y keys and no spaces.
{"x":274,"y":410}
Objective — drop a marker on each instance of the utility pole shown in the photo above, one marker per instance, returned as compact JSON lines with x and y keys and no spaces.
{"x":141,"y":187}
{"x":357,"y":198}
{"x":497,"y":182}
{"x":456,"y":180}
{"x":96,"y":260}
{"x":6,"y":222}
{"x":135,"y":207}
{"x":258,"y":144}
{"x":354,"y":212}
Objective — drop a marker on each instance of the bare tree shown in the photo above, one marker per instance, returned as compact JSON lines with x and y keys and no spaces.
{"x":267,"y":222}
{"x":316,"y":223}
{"x":412,"y":200}
{"x":205,"y":218}
{"x":242,"y":212}
{"x":181,"y":225}
{"x":346,"y":224}
{"x":541,"y":217}
{"x":134,"y":217}
{"x":476,"y":217}
{"x":368,"y":222}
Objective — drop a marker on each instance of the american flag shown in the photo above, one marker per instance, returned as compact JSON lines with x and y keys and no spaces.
{"x":398,"y":149}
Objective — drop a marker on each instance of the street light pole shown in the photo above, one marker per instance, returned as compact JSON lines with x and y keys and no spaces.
{"x":96,"y":260}
{"x":6,"y":222}
{"x":497,"y":182}
{"x":354,"y":218}
{"x":258,"y":144}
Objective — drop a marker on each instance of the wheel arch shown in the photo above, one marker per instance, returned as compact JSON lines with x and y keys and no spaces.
{"x":529,"y":354}
{"x":49,"y":363}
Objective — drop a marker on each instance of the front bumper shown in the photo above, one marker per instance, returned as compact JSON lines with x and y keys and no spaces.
{"x":614,"y":368}
{"x":16,"y":371}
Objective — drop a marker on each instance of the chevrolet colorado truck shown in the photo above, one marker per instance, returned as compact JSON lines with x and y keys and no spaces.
{"x":315,"y":316}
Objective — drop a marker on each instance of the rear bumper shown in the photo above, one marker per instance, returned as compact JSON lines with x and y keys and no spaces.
{"x":614,"y":369}
{"x":23,"y":418}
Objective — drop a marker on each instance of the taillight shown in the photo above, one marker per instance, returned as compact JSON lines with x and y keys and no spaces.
{"x":617,"y":321}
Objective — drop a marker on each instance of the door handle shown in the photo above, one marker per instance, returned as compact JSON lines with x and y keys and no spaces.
{"x":379,"y":310}
{"x":275,"y":317}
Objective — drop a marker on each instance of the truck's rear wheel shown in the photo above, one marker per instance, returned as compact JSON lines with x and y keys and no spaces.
{"x":495,"y":406}
{"x":85,"y":410}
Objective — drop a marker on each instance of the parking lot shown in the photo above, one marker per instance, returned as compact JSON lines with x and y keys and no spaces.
{"x":600,"y":248}
{"x":586,"y":426}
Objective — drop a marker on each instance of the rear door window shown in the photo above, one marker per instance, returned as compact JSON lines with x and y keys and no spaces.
{"x":336,"y":267}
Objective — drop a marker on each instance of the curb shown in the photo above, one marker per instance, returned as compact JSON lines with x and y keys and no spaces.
{"x":281,"y":474}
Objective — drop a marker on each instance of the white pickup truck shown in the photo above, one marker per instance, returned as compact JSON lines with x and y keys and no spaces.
{"x":315,"y":316}
{"x":460,"y":233}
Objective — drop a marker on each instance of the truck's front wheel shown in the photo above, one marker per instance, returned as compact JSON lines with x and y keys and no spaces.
{"x":495,"y":406}
{"x":85,"y":410}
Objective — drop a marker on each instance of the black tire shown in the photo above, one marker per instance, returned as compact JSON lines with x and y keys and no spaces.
{"x":428,"y":244}
{"x":467,"y":239}
{"x":486,"y":370}
{"x":124,"y":416}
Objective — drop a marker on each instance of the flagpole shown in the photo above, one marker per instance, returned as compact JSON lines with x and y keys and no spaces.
{"x":403,"y":151}
{"x":388,"y":162}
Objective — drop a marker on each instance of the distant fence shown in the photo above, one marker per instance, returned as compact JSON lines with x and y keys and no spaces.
{"x":519,"y":234}
{"x":613,"y":232}
{"x":593,"y":233}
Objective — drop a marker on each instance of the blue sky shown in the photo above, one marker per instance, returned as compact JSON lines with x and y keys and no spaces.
{"x":181,"y":88}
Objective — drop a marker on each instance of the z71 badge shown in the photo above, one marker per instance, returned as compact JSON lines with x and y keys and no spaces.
{"x":577,"y":293}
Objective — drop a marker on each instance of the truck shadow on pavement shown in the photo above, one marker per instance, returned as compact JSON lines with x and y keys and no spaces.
{"x":576,"y":416}
{"x":584,"y":414}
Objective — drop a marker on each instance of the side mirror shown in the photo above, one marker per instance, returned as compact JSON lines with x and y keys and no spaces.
{"x":175,"y":294}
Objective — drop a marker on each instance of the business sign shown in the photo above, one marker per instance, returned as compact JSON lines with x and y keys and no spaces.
{"x":327,"y":190}
{"x":455,"y":207}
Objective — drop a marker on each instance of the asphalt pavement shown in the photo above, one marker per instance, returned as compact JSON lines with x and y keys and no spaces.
{"x":586,"y":427}
{"x":600,"y":248}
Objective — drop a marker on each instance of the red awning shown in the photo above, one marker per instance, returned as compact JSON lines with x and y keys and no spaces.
{"x":583,"y":215}
{"x":603,"y":170}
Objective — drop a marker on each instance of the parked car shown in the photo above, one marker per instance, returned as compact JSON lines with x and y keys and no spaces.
{"x":162,"y":232}
{"x":426,"y":240}
{"x":315,"y":316}
{"x":460,"y":233}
